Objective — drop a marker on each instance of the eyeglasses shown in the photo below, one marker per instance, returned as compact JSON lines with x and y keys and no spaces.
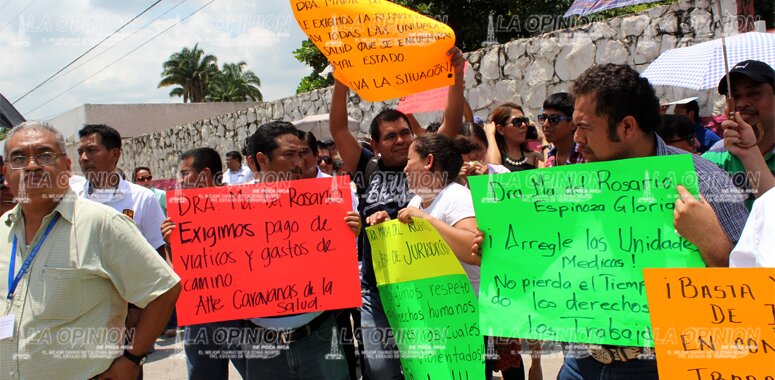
{"x":42,"y":159}
{"x":519,"y":122}
{"x":143,"y":179}
{"x":691,"y":140}
{"x":327,"y":159}
{"x":553,"y":119}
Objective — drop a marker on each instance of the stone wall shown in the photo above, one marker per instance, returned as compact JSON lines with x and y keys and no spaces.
{"x":524,"y":71}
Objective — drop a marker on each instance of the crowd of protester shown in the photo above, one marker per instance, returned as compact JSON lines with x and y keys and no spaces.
{"x":115,"y":271}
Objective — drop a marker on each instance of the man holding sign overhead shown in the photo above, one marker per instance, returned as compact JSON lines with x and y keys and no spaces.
{"x":617,"y":114}
{"x":382,"y":184}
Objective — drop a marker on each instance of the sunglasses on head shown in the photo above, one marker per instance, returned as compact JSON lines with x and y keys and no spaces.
{"x":520,"y":121}
{"x":327,"y":159}
{"x":553,"y":119}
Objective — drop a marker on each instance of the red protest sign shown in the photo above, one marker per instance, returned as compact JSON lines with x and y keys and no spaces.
{"x":263,"y":250}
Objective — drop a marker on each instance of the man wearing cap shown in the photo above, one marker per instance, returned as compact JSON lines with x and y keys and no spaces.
{"x":691,"y":109}
{"x":753,"y":90}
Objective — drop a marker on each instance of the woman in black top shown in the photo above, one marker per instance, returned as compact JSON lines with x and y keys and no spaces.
{"x":507,"y":136}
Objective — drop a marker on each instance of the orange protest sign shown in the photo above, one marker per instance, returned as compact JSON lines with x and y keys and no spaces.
{"x":713,"y":323}
{"x":263,"y":250}
{"x":379,"y":49}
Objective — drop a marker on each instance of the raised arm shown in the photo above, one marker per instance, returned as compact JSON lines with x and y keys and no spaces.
{"x":468,"y":113}
{"x":417,"y":129}
{"x":348,"y":146}
{"x":493,"y":155}
{"x":453,"y":113}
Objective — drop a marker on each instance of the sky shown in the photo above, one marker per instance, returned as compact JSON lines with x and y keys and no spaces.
{"x":39,"y":37}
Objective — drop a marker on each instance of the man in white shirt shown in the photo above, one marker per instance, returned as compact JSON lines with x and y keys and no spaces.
{"x":236,"y":173}
{"x":755,"y":247}
{"x":98,"y":154}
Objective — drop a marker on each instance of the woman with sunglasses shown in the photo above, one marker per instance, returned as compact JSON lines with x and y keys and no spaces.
{"x":507,"y":135}
{"x":557,"y":123}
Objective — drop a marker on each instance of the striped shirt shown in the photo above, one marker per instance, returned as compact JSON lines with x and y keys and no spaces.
{"x":716,"y":187}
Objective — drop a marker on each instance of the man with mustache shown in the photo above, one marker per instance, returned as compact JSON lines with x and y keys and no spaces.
{"x":98,"y":155}
{"x":383,"y":190}
{"x":747,"y":157}
{"x":74,"y":265}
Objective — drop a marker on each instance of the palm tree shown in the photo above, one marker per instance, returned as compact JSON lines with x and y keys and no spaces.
{"x":192,"y":71}
{"x":234,"y":84}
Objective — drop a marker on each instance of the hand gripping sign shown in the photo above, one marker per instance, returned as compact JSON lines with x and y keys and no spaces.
{"x":379,"y":49}
{"x":263,"y":250}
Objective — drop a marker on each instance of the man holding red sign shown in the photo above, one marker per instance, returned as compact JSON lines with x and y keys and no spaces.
{"x":287,"y":346}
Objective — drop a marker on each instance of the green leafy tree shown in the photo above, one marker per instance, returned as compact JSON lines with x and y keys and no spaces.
{"x":469,"y":19}
{"x":190,"y":71}
{"x":234,"y":84}
{"x":310,"y":55}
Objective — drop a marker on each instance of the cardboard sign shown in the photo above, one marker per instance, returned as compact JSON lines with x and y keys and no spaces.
{"x":426,"y":101}
{"x":713,"y":323}
{"x":378,"y":49}
{"x":428,"y":300}
{"x":263,"y":250}
{"x":565,"y":246}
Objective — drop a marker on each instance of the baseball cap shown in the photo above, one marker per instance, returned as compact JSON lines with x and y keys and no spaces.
{"x":756,"y":70}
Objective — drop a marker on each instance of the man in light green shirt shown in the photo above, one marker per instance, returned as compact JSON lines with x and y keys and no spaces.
{"x":75,"y":264}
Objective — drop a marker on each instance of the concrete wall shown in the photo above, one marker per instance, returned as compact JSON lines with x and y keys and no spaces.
{"x":524,"y":71}
{"x":133,"y":120}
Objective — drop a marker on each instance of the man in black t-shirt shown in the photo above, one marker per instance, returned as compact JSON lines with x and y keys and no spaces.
{"x":383,"y":191}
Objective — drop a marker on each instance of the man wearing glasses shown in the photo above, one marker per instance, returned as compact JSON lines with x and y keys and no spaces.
{"x":557,"y":123}
{"x":73,"y":265}
{"x":236,"y":173}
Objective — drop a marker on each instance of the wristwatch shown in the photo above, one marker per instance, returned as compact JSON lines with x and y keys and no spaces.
{"x":139,"y":360}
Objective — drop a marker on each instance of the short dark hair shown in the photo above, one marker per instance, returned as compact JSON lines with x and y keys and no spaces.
{"x":205,"y":158}
{"x":560,"y":101}
{"x":264,"y":139}
{"x":110,"y":137}
{"x":137,"y":169}
{"x":386,"y":115}
{"x":311,"y":141}
{"x":620,"y":91}
{"x":326,"y":144}
{"x":446,"y":151}
{"x":693,"y":106}
{"x":675,"y":125}
{"x":433,"y":127}
{"x":234,"y":155}
{"x":473,"y":129}
{"x":337,"y":164}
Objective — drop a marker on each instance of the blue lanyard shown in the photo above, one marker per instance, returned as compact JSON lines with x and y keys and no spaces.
{"x":13,"y":282}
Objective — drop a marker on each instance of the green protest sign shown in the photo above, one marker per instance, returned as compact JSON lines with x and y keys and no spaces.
{"x":428,"y":300}
{"x":565,"y":247}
